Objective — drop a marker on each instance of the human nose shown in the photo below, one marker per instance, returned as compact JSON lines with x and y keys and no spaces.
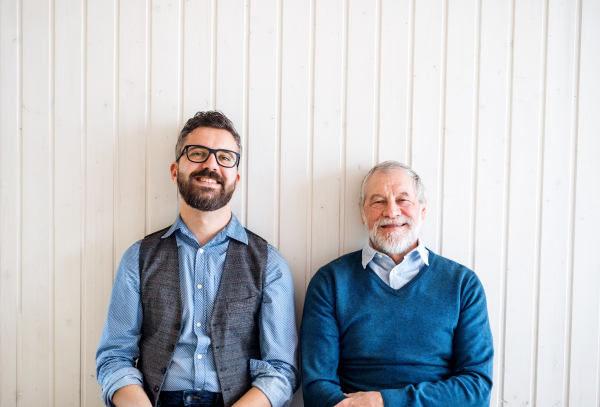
{"x":211,"y":161}
{"x":392,"y":209}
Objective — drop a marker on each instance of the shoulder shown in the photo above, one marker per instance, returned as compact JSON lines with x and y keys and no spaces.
{"x":457,"y":275}
{"x":337,"y":270}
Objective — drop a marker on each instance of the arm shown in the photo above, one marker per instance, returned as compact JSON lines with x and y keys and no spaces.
{"x":118,"y":348}
{"x":473,"y":353}
{"x":132,"y":395}
{"x":275,"y":377}
{"x":320,"y":345}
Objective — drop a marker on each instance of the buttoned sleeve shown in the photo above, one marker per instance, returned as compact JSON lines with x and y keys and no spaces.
{"x":277,"y":373}
{"x":118,"y":348}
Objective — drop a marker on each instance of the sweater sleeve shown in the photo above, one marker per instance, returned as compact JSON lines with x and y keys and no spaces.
{"x":320,"y":345}
{"x":473,"y":353}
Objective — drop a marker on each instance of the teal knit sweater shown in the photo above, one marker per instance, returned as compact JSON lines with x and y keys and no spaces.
{"x":426,"y":344}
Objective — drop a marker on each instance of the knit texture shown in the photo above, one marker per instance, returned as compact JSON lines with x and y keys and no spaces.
{"x":427,"y":344}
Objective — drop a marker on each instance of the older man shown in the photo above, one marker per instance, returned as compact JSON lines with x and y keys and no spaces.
{"x":395,"y":324}
{"x":202,"y":312}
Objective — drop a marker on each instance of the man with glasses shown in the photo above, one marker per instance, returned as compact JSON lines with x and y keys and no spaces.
{"x":205,"y":306}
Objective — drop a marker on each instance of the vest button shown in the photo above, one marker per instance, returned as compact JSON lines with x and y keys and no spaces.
{"x":163,"y":370}
{"x":155,"y":388}
{"x":177,"y":326}
{"x":171,"y":348}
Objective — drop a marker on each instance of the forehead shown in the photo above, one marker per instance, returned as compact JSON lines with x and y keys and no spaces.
{"x":212,"y":138}
{"x":392,"y":183}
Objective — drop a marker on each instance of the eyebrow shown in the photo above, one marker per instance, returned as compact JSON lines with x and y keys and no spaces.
{"x":403,"y":193}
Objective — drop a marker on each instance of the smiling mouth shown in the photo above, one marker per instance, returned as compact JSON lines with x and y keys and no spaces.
{"x":205,"y":179}
{"x":394,"y":225}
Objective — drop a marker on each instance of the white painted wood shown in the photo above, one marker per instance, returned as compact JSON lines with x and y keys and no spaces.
{"x":198,"y":41}
{"x":361,"y":140}
{"x":460,"y":137}
{"x":396,"y":60}
{"x":491,"y":166}
{"x":328,"y":143}
{"x":523,"y":238}
{"x":427,"y":110}
{"x":554,"y":275}
{"x":584,"y":371}
{"x":37,"y":270}
{"x":494,"y":104}
{"x":262,"y":142}
{"x":10,"y":201}
{"x":130,"y":210}
{"x":165,"y":115}
{"x":100,"y":140}
{"x":231,"y":83}
{"x":295,"y":176}
{"x":68,"y":204}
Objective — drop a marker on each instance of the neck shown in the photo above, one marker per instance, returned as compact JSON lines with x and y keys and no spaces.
{"x":205,"y":225}
{"x":397,"y":258}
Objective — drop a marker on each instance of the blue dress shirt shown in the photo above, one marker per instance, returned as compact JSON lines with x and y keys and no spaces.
{"x":396,"y":276}
{"x":193,"y":366}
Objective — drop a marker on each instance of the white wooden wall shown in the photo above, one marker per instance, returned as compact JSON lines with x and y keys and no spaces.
{"x":496,"y":103}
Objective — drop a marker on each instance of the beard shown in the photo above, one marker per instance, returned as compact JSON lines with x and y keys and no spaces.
{"x":394,"y":242}
{"x":205,"y":198}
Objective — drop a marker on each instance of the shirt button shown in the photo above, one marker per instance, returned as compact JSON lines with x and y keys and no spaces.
{"x":198,"y":324}
{"x":201,"y":251}
{"x":199,"y":286}
{"x":199,"y":356}
{"x":199,"y":389}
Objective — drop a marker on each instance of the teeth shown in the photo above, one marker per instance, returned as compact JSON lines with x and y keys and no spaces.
{"x":208,"y":180}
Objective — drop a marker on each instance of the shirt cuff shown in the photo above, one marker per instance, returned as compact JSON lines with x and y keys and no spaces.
{"x":277,"y":386}
{"x":120,"y":378}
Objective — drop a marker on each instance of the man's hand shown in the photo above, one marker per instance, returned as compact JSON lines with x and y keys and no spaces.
{"x":362,"y":399}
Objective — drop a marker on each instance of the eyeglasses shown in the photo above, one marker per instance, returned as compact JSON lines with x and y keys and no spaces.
{"x":199,"y":154}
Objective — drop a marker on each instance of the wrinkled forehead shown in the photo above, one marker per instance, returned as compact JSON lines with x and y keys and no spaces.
{"x":390,"y":184}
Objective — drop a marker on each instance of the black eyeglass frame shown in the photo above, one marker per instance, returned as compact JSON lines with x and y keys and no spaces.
{"x":210,"y":151}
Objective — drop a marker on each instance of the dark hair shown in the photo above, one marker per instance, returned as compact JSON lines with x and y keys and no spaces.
{"x":211,"y":118}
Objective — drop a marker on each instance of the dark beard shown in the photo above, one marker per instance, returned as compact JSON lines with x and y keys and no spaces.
{"x":204,"y":198}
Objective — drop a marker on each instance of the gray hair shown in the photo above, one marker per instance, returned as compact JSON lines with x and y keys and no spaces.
{"x":211,"y":118}
{"x":388,"y":167}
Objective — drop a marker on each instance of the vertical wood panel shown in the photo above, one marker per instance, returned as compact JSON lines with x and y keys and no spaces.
{"x":395,"y":60}
{"x":294,"y":215}
{"x":130,"y":201}
{"x":198,"y":58}
{"x":164,"y":113}
{"x":263,"y":138}
{"x":327,"y":146}
{"x":37,"y":272}
{"x":100,"y":144}
{"x":523,"y":202}
{"x":460,"y":136}
{"x":361,"y":141}
{"x":10,"y":234}
{"x":320,"y":91}
{"x":68,"y":199}
{"x":427,"y":79}
{"x":556,"y":197}
{"x":230,"y":86}
{"x":584,"y":382}
{"x":490,"y":197}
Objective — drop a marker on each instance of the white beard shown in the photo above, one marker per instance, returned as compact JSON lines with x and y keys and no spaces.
{"x":394,"y":242}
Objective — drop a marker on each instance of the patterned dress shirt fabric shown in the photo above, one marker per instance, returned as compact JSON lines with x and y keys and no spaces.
{"x":193,"y":365}
{"x":396,"y":276}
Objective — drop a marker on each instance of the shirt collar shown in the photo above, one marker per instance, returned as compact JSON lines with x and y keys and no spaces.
{"x":234,"y":230}
{"x":369,"y":252}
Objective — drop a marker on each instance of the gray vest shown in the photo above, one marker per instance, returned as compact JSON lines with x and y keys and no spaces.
{"x":234,"y":329}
